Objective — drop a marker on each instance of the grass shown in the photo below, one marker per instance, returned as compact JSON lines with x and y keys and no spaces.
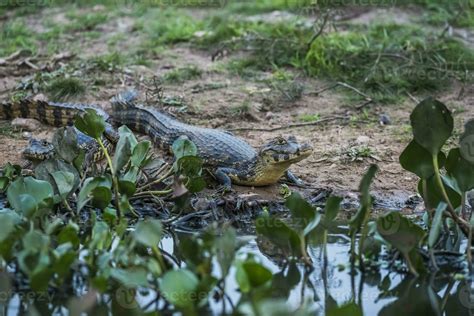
{"x":85,"y":22}
{"x":66,"y":88}
{"x":181,"y":75}
{"x":108,"y":62}
{"x":389,"y":60}
{"x":15,"y":35}
{"x":309,"y":117}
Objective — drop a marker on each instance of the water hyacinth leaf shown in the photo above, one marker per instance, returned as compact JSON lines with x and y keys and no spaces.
{"x":365,"y":199}
{"x":432,"y":124}
{"x":130,"y":278}
{"x":127,"y":187}
{"x":333,"y":205}
{"x":124,"y":131}
{"x":69,"y":234}
{"x":189,"y":166}
{"x":399,"y":231}
{"x":38,"y":191}
{"x":431,"y":194}
{"x":8,"y":222}
{"x":28,"y":205}
{"x":148,"y":233}
{"x":101,"y":236}
{"x":140,"y":153}
{"x":436,"y":225}
{"x":349,"y":308}
{"x":101,"y":197}
{"x":305,"y":217}
{"x":90,"y":123}
{"x":123,"y":152}
{"x":179,"y":287}
{"x":44,"y":171}
{"x":4,"y":181}
{"x":279,"y":233}
{"x":85,"y":195}
{"x":65,"y":143}
{"x":251,"y":274}
{"x":65,"y":182}
{"x":184,"y":147}
{"x":418,"y":160}
{"x":226,"y":246}
{"x":461,"y":170}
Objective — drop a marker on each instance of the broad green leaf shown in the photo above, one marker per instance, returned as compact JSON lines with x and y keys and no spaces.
{"x":358,"y":220}
{"x":189,"y":166}
{"x":279,"y":233}
{"x":44,"y":171}
{"x":8,"y":222}
{"x":69,"y":234}
{"x":39,"y":191}
{"x":127,"y":187}
{"x":131,"y":278}
{"x":148,"y":233}
{"x":140,"y":153}
{"x":179,"y":287}
{"x":418,"y":160}
{"x":226,"y":246}
{"x":101,"y":237}
{"x":90,"y":123}
{"x":101,"y":197}
{"x":432,"y":196}
{"x":251,"y":274}
{"x":399,"y":231}
{"x":85,"y":195}
{"x":432,"y":125}
{"x":331,"y":209}
{"x":65,"y":143}
{"x":349,"y":308}
{"x":305,"y":217}
{"x":123,"y":152}
{"x":65,"y":182}
{"x":466,"y":142}
{"x":195,"y":185}
{"x":184,"y":147}
{"x":4,"y":181}
{"x":436,"y":224}
{"x":461,"y":170}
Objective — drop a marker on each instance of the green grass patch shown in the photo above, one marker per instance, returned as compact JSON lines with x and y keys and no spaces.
{"x":66,"y":88}
{"x":389,"y":60}
{"x":167,"y":26}
{"x":15,"y":35}
{"x":309,"y":117}
{"x":108,"y":62}
{"x":85,"y":22}
{"x":180,"y":75}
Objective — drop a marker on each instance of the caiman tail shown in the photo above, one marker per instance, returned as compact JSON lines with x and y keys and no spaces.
{"x":50,"y":113}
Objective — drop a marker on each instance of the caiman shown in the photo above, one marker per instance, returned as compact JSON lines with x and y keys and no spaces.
{"x":229,"y":158}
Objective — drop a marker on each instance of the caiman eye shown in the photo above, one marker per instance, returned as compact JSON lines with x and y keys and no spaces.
{"x":44,"y":142}
{"x":281,"y":141}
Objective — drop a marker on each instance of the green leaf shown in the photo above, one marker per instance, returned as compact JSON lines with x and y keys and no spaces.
{"x":69,"y":234}
{"x":148,"y":233}
{"x":279,"y":233}
{"x":436,"y":225}
{"x":359,"y":219}
{"x":305,"y":217}
{"x":85,"y":195}
{"x":418,"y":160}
{"x":123,"y":152}
{"x":65,"y":143}
{"x":140,"y":153}
{"x":101,"y":197}
{"x":44,"y":171}
{"x":461,"y":170}
{"x":34,"y":193}
{"x":189,"y":166}
{"x":65,"y":182}
{"x":90,"y":123}
{"x":8,"y":222}
{"x":195,"y":185}
{"x":399,"y":231}
{"x":179,"y":287}
{"x":226,"y":246}
{"x":127,"y":187}
{"x":349,"y":308}
{"x":251,"y":274}
{"x":131,"y":278}
{"x":4,"y":181}
{"x":184,"y":147}
{"x":333,"y":205}
{"x":432,"y":196}
{"x":432,"y":125}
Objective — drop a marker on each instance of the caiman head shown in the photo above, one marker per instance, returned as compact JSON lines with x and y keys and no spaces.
{"x":276,"y":156}
{"x":38,"y":149}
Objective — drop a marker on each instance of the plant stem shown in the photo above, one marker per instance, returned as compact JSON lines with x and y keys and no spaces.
{"x":167,"y":174}
{"x":462,"y":223}
{"x":114,"y":176}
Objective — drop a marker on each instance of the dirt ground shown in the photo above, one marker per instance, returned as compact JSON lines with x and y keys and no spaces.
{"x":335,"y":164}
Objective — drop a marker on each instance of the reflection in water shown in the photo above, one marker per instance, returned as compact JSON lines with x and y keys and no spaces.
{"x":331,"y":283}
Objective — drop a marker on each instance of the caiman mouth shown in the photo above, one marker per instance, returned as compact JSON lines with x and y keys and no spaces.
{"x":304,"y":151}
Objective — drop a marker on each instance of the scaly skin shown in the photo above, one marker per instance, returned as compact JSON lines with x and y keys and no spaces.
{"x":229,"y":158}
{"x":54,"y":114}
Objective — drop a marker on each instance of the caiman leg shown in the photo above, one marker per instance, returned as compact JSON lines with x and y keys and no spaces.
{"x":222,"y":176}
{"x":294,"y":179}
